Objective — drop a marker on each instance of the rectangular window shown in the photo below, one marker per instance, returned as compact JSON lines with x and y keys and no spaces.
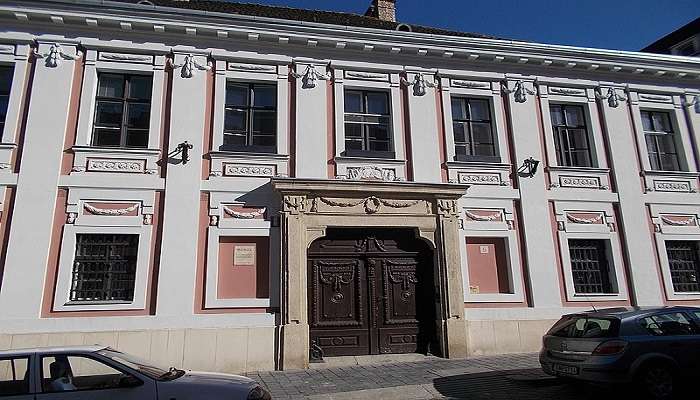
{"x":122,"y":110}
{"x":5,"y":85}
{"x":589,"y":266}
{"x":684,"y":265}
{"x":571,"y":140}
{"x":473,"y":130}
{"x":660,"y":140}
{"x":14,"y":376}
{"x":368,"y":124}
{"x":66,"y":373}
{"x":104,"y":268}
{"x":250,"y":118}
{"x":672,"y":324}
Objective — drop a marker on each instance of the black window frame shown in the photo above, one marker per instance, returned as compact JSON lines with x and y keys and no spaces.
{"x":470,"y":145}
{"x":126,"y":100}
{"x":27,"y":384}
{"x":655,"y":135}
{"x":81,"y":277}
{"x":684,"y":277}
{"x":364,"y":131}
{"x":585,"y":278}
{"x":249,"y":110}
{"x":562,"y":139}
{"x":9,"y":72}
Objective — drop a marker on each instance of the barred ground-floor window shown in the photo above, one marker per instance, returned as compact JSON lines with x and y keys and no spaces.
{"x":684,"y":263}
{"x":590,"y":266}
{"x":104,"y":268}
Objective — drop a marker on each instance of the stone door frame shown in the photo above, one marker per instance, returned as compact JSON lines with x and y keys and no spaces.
{"x":309,"y":206}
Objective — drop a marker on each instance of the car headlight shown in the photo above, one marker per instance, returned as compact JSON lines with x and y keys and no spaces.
{"x":258,"y":393}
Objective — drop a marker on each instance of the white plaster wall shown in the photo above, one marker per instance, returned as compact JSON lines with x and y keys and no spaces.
{"x":311,"y":125}
{"x":422,"y":120}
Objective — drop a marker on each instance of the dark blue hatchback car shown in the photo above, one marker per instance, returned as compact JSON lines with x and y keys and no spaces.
{"x":653,"y":347}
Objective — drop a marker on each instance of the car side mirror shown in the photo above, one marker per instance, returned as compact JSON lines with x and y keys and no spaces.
{"x":129,"y":381}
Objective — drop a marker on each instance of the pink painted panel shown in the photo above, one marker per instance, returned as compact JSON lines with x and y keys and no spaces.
{"x":488,"y":265}
{"x":248,"y":278}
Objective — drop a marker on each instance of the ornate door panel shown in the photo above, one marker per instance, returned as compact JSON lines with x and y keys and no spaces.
{"x":338,"y":314}
{"x":370,"y":292}
{"x":398,"y":324}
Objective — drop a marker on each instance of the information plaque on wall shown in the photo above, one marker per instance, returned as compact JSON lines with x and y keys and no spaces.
{"x":244,"y":255}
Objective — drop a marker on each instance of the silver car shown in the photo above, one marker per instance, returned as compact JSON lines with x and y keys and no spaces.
{"x":97,"y":373}
{"x":654,"y":347}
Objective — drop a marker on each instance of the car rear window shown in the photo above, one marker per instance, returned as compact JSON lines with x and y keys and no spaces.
{"x":582,"y":326}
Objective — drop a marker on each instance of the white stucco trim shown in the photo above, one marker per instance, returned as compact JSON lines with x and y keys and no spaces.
{"x":261,"y":71}
{"x":492,"y":229}
{"x":384,"y":81}
{"x":62,"y":300}
{"x":212,"y":270}
{"x":661,"y":239}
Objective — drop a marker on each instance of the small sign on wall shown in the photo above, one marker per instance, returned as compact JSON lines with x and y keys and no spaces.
{"x":244,"y":255}
{"x":484,"y":249}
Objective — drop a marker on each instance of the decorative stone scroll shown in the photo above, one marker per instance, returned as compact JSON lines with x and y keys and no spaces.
{"x":131,"y":58}
{"x":491,"y":217}
{"x":371,"y":204}
{"x":367,"y":76}
{"x":110,"y":212}
{"x":7,"y":49}
{"x":567,"y":91}
{"x":481,"y":179}
{"x":249,"y":170}
{"x":583,"y":182}
{"x":671,"y":186}
{"x":688,"y":221}
{"x":582,"y":220}
{"x":371,"y":173}
{"x":244,"y":215}
{"x":116,"y":165}
{"x":270,"y":69}
{"x":470,"y":84}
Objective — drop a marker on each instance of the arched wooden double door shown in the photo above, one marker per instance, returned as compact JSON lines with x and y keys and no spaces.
{"x":371,"y":291}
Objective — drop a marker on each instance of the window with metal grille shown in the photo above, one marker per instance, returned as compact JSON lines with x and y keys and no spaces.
{"x":571,"y":140}
{"x":122,"y":110}
{"x":589,"y":266}
{"x":660,"y":140}
{"x":683,"y":261}
{"x":368,"y":124}
{"x":250,"y":118}
{"x":473,"y":130}
{"x":5,"y":85}
{"x":104,"y":269}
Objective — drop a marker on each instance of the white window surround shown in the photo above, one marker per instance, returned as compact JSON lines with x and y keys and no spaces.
{"x":359,"y":78}
{"x":481,"y":87}
{"x":62,"y":300}
{"x":241,"y":227}
{"x":152,"y":64}
{"x":253,"y":71}
{"x":664,"y":232}
{"x":492,"y":229}
{"x":605,"y":230}
{"x":15,"y":55}
{"x":670,"y":103}
{"x":86,"y":223}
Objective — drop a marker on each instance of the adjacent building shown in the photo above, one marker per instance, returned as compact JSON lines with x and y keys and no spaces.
{"x":684,"y":41}
{"x":234,"y":187}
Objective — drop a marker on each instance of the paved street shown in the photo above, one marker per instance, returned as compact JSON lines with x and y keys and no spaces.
{"x":417,"y":377}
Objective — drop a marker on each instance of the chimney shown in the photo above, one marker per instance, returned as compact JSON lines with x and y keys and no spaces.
{"x":384,"y":10}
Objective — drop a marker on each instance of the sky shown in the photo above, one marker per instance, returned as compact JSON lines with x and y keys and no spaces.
{"x":609,"y":24}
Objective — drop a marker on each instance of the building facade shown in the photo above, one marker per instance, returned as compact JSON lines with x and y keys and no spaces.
{"x":232,"y":192}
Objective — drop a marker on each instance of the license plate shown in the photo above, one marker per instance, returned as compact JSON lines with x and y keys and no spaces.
{"x":564,"y":369}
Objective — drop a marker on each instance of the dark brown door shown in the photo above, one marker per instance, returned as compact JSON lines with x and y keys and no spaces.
{"x":370,"y":292}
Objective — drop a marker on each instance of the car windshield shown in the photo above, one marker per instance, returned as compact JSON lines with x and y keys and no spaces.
{"x":143,"y":366}
{"x":583,"y":326}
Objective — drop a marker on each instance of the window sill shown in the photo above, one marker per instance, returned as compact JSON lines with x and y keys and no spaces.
{"x":478,"y":159}
{"x":578,"y":169}
{"x":591,"y":297}
{"x":244,"y":154}
{"x":353,"y":159}
{"x":678,"y":174}
{"x":115,"y":150}
{"x":382,"y":155}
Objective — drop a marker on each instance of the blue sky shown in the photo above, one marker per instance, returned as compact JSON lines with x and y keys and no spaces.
{"x":612,"y":24}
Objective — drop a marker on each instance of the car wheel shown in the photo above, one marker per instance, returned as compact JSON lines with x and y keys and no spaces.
{"x":657,"y":381}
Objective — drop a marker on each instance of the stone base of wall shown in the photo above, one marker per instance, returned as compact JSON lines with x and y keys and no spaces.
{"x":506,"y":336}
{"x":235,"y":350}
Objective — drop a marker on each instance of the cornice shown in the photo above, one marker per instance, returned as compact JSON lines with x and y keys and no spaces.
{"x":289,"y":186}
{"x":139,"y":19}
